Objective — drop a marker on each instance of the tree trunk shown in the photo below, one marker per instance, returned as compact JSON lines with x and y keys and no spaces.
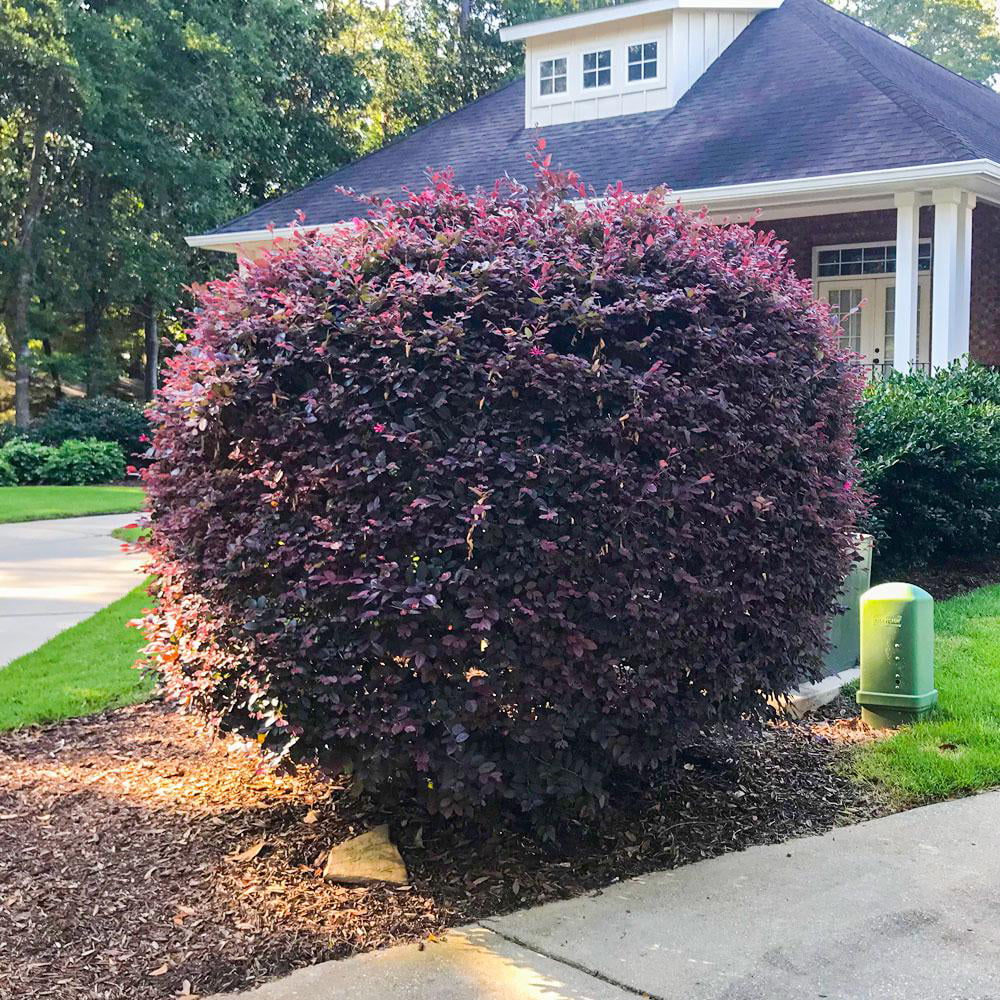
{"x":152,"y":352}
{"x":24,"y":269}
{"x":57,"y":389}
{"x":465,"y":12}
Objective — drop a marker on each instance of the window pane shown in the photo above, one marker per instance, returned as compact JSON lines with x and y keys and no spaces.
{"x":590,"y":60}
{"x":649,"y":50}
{"x":634,"y":53}
{"x":604,"y":78}
{"x":649,"y":70}
{"x":604,"y":58}
{"x":842,"y":301}
{"x":560,"y":67}
{"x":561,"y":84}
{"x":634,"y":72}
{"x":546,"y":86}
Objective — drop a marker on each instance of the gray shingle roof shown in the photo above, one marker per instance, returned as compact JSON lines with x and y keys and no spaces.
{"x":803,"y":91}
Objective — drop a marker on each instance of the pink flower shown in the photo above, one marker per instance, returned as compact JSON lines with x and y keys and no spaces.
{"x":378,"y":428}
{"x":537,"y":352}
{"x":848,"y":486}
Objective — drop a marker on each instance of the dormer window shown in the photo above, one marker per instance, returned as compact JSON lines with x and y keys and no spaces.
{"x":597,"y":69}
{"x":552,"y":77}
{"x":642,"y":62}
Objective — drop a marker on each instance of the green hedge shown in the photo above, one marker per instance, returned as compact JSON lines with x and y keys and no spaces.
{"x":72,"y":463}
{"x":26,"y":460}
{"x":103,"y":417}
{"x":929,"y":450}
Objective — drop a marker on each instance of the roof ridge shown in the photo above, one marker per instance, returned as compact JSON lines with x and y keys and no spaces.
{"x":951,"y":140}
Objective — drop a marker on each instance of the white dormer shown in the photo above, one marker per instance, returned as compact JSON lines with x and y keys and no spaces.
{"x":621,"y":60}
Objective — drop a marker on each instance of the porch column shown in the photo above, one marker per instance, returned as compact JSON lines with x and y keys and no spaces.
{"x":907,"y":248}
{"x":964,"y":314}
{"x":952,"y":275}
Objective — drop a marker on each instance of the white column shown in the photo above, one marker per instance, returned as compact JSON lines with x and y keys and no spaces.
{"x":964,"y":299}
{"x":945,"y":274}
{"x":907,"y":248}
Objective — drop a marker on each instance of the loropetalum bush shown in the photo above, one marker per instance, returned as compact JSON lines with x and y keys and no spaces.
{"x":929,"y":450}
{"x":495,"y":497}
{"x":82,"y":463}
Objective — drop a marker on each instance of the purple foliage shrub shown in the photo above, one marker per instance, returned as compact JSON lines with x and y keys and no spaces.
{"x":496,"y":497}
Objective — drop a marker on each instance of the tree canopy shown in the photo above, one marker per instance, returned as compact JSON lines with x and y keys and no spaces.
{"x":127,"y":124}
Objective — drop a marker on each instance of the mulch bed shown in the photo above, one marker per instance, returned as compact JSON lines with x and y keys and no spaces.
{"x":131,"y":865}
{"x":948,"y":578}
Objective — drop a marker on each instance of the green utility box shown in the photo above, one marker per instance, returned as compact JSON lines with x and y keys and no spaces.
{"x":845,"y":629}
{"x":897,"y":655}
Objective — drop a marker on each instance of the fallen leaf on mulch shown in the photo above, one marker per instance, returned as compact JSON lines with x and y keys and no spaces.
{"x":251,"y":852}
{"x":120,"y":834}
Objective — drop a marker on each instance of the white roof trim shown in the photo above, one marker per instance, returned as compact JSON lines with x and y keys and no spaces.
{"x":602,"y":15}
{"x":255,"y":238}
{"x":982,"y":177}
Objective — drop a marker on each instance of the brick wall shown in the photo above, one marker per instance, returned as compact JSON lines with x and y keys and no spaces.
{"x":806,"y":233}
{"x":984,"y":331}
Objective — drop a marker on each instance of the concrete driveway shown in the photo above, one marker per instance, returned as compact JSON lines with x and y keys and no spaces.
{"x":902,"y":907}
{"x":56,"y":573}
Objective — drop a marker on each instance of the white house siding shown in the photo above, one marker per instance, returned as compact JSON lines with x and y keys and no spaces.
{"x":688,"y":42}
{"x":697,"y":38}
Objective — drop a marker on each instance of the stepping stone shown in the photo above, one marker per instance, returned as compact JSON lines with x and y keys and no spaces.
{"x":372,"y":857}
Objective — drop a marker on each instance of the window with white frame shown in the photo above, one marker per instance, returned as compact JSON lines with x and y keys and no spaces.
{"x":552,"y":76}
{"x":840,"y":262}
{"x":642,"y":61}
{"x":597,"y":69}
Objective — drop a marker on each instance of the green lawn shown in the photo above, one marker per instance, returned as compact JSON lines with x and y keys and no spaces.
{"x":36,"y":503}
{"x":957,"y":749}
{"x":130,"y":533}
{"x":83,"y":670}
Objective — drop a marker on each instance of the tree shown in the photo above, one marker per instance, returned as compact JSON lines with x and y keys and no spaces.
{"x":174,"y":118}
{"x":960,"y":34}
{"x":39,"y":115}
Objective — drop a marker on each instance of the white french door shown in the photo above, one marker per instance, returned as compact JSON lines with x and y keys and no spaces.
{"x":866,"y":309}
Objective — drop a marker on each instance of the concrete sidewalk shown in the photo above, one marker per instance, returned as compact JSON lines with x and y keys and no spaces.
{"x":902,"y":907}
{"x":56,"y":573}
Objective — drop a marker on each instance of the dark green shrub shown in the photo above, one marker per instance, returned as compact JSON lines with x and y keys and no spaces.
{"x":929,"y":451}
{"x":83,"y":463}
{"x":7,"y":477}
{"x":27,"y":459}
{"x":103,"y":417}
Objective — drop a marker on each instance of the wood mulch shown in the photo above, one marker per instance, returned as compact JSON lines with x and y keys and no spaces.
{"x":141,"y":857}
{"x":948,"y":578}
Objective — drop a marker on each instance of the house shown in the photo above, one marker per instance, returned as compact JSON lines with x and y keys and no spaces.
{"x":880,"y":168}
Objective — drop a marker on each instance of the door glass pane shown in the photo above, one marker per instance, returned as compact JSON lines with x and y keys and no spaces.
{"x":889,"y":352}
{"x":844,"y":303}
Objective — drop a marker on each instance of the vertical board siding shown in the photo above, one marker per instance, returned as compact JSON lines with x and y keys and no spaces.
{"x":689,"y":42}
